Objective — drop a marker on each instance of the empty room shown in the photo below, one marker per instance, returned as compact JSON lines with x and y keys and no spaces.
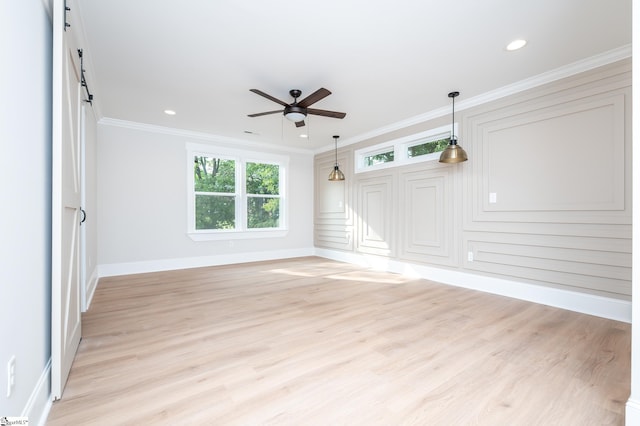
{"x":276,"y":213}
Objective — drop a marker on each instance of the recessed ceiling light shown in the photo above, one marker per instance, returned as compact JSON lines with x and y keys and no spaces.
{"x":169,"y":112}
{"x":304,"y":136}
{"x":516,"y":44}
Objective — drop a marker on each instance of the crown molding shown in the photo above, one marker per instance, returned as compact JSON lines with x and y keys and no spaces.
{"x":608,"y":57}
{"x":202,"y":136}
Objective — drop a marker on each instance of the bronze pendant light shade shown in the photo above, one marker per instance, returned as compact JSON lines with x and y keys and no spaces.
{"x":336,"y":174}
{"x":453,"y":153}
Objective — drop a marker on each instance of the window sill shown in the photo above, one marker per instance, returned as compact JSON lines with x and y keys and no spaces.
{"x":237,"y":235}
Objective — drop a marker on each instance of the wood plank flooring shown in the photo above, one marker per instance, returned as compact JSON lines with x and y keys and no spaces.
{"x":310,"y":341}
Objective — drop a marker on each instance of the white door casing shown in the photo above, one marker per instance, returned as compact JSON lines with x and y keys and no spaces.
{"x":65,"y":289}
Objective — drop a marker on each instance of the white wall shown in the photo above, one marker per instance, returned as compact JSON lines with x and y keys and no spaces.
{"x":25,"y":197}
{"x":142,"y":206}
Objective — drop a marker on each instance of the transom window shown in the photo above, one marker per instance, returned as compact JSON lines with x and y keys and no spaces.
{"x":233,"y":193}
{"x":424,"y":146}
{"x":383,"y":157}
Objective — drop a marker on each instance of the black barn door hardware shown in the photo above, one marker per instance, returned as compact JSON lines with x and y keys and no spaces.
{"x":83,"y":80}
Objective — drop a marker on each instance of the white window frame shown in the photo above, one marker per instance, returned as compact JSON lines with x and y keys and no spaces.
{"x":400,"y":147}
{"x":379,"y":149}
{"x":241,"y":157}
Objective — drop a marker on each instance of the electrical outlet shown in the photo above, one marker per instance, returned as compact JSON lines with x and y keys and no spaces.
{"x":11,"y":375}
{"x":470,"y":256}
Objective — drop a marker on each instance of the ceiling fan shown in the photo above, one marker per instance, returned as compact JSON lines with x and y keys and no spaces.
{"x":297,"y":111}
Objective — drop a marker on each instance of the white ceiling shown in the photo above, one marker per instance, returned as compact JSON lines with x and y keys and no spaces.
{"x":385,"y":62}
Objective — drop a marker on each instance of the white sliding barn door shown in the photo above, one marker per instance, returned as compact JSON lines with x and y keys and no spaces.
{"x":65,"y":289}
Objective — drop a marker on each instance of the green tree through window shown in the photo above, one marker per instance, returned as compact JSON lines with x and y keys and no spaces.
{"x":215,"y":187}
{"x":217,"y":190}
{"x":263,"y":195}
{"x":427,"y":148}
{"x":384,"y":157}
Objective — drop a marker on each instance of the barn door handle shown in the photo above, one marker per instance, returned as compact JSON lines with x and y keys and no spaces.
{"x":84,"y":215}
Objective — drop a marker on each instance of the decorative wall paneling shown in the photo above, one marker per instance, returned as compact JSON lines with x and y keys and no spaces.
{"x":376,"y":215}
{"x":547,"y":188}
{"x":544,"y":199}
{"x":333,"y":207}
{"x":426,"y":213}
{"x":334,"y":236}
{"x":553,"y":164}
{"x":601,"y":268}
{"x":332,"y":199}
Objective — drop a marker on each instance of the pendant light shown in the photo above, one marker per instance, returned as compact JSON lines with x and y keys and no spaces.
{"x":336,"y":174}
{"x":453,"y":153}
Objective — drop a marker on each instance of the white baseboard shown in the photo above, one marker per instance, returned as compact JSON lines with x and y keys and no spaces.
{"x":632,"y":413}
{"x":114,"y":269}
{"x":39,"y":403}
{"x":605,"y":307}
{"x":91,"y":287}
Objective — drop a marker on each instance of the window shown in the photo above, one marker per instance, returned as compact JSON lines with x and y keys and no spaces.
{"x":215,"y":192}
{"x":424,"y":146}
{"x":232,"y":194}
{"x":383,"y":157}
{"x":263,"y":195}
{"x":428,"y":147}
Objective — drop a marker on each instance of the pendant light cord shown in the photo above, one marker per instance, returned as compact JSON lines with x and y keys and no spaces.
{"x":454,"y":139}
{"x":453,"y":153}
{"x":453,"y":116}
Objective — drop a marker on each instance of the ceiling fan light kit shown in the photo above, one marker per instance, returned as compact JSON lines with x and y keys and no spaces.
{"x":294,"y":113}
{"x":453,"y":153}
{"x":298,"y":111}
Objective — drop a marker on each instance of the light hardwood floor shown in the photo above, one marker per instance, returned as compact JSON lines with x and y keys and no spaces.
{"x":310,"y":341}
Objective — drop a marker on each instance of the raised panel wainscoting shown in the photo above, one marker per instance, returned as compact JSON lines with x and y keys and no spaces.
{"x":375,"y":221}
{"x":426,"y":227}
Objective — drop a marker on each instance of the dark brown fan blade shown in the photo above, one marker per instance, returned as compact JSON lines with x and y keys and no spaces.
{"x":271,"y":98}
{"x":324,"y":113}
{"x":314,"y":97}
{"x":264,"y":113}
{"x":299,"y":123}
